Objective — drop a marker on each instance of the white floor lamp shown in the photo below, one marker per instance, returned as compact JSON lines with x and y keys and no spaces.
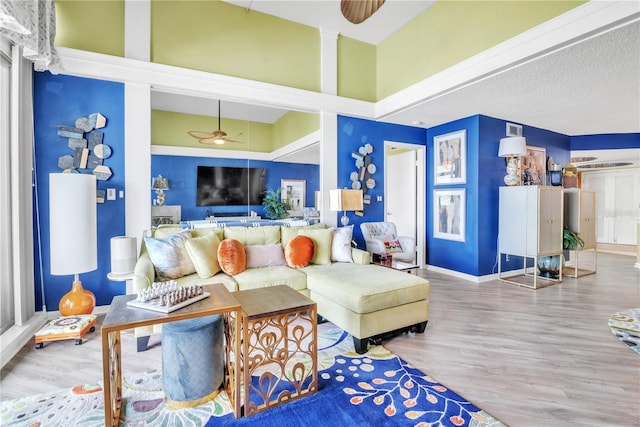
{"x":73,"y":236}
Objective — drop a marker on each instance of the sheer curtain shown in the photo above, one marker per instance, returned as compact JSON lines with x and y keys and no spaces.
{"x":31,"y":24}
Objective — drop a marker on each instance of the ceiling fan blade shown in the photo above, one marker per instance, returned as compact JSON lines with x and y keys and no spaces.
{"x":358,"y":11}
{"x":200,"y":135}
{"x":209,"y":141}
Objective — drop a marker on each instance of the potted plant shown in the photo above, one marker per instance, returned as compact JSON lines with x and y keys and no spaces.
{"x":275,"y":208}
{"x":571,"y":240}
{"x":550,"y":266}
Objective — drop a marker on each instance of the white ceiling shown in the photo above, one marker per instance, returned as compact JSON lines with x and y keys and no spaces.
{"x":591,"y":87}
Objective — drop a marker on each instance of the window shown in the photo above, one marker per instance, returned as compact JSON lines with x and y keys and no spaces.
{"x":7,"y":311}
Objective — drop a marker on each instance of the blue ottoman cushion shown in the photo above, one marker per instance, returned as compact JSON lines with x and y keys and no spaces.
{"x":193,"y":359}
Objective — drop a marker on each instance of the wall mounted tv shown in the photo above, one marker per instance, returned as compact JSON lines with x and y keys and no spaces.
{"x":230,"y":186}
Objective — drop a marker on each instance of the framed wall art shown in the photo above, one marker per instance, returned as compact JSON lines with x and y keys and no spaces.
{"x":449,"y":214}
{"x":293,"y":192}
{"x":533,"y":166}
{"x":450,"y":157}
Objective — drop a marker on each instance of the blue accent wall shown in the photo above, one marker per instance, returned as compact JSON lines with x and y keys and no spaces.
{"x":477,"y":255}
{"x":450,"y":254}
{"x":605,"y":141}
{"x":60,"y":100}
{"x":182,"y":173}
{"x":353,"y":133}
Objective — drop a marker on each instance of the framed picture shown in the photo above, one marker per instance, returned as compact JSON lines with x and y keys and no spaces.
{"x":450,"y":157}
{"x":292,"y":191}
{"x":449,"y":214}
{"x":533,"y":166}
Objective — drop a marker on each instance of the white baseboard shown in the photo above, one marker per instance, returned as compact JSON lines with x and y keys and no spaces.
{"x":469,"y":277}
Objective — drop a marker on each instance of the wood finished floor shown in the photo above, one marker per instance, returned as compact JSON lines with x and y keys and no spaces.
{"x":530,"y":358}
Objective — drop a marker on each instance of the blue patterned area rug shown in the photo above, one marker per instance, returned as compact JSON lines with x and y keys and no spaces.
{"x":625,"y":325}
{"x":377,"y":388}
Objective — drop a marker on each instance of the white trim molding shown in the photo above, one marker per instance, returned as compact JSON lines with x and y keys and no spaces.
{"x":176,"y":80}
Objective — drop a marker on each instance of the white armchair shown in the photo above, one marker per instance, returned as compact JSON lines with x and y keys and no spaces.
{"x":375,"y":234}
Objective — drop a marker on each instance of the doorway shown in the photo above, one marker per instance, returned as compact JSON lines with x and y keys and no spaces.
{"x":404,"y":189}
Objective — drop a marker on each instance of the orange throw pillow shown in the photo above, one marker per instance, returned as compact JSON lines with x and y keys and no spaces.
{"x":299,"y":251}
{"x":232,"y":257}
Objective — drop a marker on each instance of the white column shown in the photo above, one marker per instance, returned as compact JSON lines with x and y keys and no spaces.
{"x":137,"y":164}
{"x":137,"y":145}
{"x":328,"y":125}
{"x":137,"y":29}
{"x":328,"y":62}
{"x":328,"y":164}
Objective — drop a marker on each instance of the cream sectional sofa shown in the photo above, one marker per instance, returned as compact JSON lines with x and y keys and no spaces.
{"x":363,"y":299}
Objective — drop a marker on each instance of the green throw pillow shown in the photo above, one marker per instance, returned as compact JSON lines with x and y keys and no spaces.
{"x":322,"y":244}
{"x":288,"y":233}
{"x":203,"y":252}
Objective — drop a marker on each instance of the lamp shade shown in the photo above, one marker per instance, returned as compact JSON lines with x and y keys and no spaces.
{"x":345,"y":200}
{"x":160,"y":183}
{"x":72,"y":223}
{"x":123,"y":255}
{"x":513,"y":146}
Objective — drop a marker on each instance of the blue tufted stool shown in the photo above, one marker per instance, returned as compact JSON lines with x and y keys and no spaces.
{"x":192,"y":360}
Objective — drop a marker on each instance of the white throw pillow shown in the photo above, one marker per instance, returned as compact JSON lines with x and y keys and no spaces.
{"x":341,"y":244}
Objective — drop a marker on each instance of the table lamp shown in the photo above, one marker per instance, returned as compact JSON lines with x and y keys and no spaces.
{"x":160,"y":184}
{"x":73,"y":236}
{"x":345,"y":200}
{"x":512,"y":147}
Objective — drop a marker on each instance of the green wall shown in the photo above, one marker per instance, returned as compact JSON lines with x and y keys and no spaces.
{"x":293,"y":126}
{"x":170,"y":129}
{"x":221,"y":38}
{"x":95,"y":25}
{"x":451,"y":31}
{"x":356,"y":69}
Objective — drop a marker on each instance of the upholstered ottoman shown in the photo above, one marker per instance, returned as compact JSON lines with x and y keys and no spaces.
{"x":193,"y":360}
{"x":369,"y":300}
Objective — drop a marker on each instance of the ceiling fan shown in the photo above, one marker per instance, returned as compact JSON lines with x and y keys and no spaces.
{"x":218,"y":137}
{"x":358,"y":11}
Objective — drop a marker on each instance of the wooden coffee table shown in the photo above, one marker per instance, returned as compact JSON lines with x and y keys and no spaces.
{"x":279,"y":344}
{"x":121,"y":317}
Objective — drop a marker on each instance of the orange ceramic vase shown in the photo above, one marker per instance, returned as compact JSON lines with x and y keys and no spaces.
{"x":77,"y":301}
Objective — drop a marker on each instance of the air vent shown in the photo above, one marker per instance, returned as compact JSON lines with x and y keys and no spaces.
{"x":514,"y":130}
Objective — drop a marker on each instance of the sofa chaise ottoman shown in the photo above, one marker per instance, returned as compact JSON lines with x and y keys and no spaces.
{"x":369,"y":300}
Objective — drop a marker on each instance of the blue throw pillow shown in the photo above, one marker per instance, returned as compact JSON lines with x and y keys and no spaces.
{"x":169,"y":255}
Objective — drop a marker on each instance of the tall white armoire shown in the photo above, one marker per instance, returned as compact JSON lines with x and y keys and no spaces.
{"x":530,"y":226}
{"x":580,"y":216}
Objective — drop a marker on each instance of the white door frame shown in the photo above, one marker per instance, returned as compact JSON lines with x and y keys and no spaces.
{"x":421,"y":188}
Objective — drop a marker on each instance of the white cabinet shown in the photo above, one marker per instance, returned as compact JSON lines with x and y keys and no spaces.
{"x":580,"y":216}
{"x":530,"y":226}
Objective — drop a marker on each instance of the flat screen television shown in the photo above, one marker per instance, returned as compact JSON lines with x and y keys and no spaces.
{"x":230,"y":186}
